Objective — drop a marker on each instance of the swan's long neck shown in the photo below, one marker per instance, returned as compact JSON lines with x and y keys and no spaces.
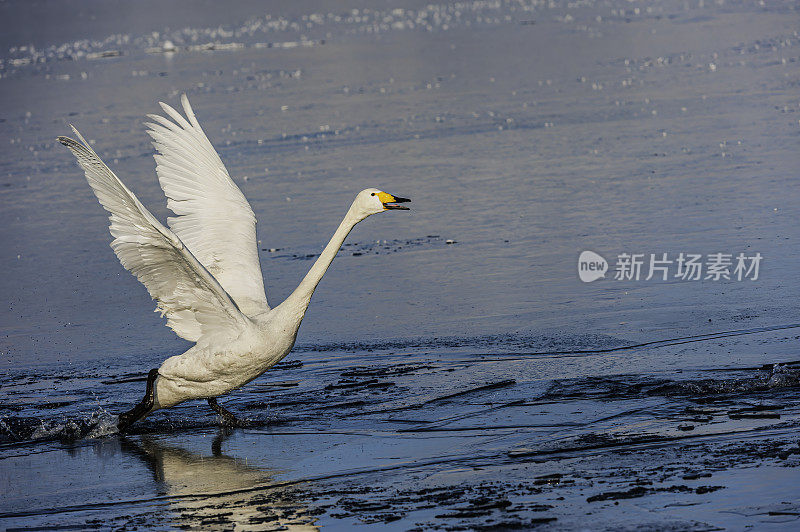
{"x":301,"y":297}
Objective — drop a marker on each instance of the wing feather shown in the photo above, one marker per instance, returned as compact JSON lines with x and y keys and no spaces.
{"x":213,"y":218}
{"x":195,"y":304}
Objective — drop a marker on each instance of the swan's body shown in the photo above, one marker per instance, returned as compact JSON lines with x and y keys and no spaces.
{"x":203,"y":270}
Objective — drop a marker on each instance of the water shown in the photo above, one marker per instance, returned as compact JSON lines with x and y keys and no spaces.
{"x":475,"y":383}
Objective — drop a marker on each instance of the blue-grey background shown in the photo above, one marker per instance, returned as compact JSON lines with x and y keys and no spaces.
{"x":524,"y":132}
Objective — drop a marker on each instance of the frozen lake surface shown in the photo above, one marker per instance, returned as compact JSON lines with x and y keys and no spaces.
{"x":452,"y":372}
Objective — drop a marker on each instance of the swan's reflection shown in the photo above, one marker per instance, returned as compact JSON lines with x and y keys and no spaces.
{"x":220,"y":491}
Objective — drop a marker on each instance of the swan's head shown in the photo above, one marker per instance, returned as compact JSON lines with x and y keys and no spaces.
{"x":372,"y":201}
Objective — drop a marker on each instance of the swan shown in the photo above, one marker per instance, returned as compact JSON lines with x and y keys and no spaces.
{"x":203,"y":270}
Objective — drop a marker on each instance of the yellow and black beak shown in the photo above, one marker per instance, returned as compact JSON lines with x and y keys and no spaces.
{"x":391,"y":202}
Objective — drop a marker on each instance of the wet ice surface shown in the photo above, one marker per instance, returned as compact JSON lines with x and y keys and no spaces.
{"x":434,"y":385}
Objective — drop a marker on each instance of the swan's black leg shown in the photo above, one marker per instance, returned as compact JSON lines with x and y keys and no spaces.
{"x":219,"y":439}
{"x":227,"y":416}
{"x":139,"y":411}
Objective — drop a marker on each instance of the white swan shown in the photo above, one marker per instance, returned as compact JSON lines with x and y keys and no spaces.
{"x":203,"y":271}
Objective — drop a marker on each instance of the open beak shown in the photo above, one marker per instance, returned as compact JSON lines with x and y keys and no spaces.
{"x":391,"y":202}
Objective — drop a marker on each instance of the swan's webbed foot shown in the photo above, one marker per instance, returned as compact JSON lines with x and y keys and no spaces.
{"x":140,"y":410}
{"x":228,"y":419}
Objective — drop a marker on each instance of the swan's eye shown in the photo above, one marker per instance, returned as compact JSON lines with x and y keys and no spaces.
{"x":372,"y":194}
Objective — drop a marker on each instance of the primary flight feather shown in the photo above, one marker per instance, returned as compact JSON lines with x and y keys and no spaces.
{"x":203,"y":271}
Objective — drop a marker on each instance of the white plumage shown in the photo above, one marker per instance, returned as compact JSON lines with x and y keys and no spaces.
{"x":203,"y":271}
{"x":213,"y":216}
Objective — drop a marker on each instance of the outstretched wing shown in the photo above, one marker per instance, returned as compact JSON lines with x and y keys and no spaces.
{"x":193,"y":301}
{"x":213,"y":216}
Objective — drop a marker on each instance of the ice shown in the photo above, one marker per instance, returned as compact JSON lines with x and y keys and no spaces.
{"x":435,"y":377}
